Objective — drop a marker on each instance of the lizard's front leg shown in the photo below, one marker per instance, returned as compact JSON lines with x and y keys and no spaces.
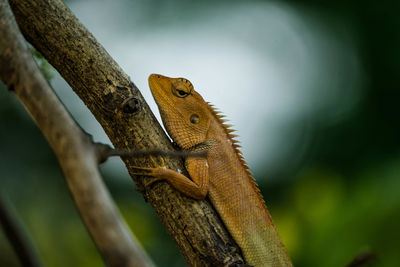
{"x":198,"y":170}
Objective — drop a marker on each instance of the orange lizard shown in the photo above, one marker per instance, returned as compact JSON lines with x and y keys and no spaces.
{"x":223,"y":174}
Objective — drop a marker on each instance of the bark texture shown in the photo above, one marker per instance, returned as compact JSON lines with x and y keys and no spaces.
{"x":77,"y":155}
{"x":126,"y":118}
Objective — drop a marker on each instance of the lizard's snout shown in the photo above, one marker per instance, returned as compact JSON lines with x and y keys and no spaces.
{"x":155,"y":76}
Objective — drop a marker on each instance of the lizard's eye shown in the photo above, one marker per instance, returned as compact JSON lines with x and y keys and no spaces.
{"x":180,"y":91}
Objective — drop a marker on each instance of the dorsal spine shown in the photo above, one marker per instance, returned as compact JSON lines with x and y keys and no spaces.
{"x":236,"y":146}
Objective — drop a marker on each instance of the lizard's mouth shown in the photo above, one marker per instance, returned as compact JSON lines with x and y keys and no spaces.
{"x":158,"y":85}
{"x":159,"y":92}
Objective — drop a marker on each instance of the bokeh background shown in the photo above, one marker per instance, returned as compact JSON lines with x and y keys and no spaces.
{"x":311,"y":86}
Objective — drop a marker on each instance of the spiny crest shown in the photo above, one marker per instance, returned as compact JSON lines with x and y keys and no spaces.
{"x":235,"y":144}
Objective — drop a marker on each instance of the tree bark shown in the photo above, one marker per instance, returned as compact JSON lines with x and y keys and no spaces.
{"x":77,"y":155}
{"x":127,"y":120}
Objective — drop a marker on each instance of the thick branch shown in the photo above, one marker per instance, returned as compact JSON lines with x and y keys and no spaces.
{"x":126,"y":118}
{"x":74,"y":149}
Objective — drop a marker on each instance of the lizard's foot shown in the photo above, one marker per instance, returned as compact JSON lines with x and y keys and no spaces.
{"x":150,"y":171}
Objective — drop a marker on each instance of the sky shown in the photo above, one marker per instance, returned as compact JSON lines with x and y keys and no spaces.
{"x":273,"y":69}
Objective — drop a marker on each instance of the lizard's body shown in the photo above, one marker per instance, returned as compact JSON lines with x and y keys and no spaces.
{"x":194,"y":125}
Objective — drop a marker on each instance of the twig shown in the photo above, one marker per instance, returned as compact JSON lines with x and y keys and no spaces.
{"x":363,"y":259}
{"x":105,"y":151}
{"x":19,"y":239}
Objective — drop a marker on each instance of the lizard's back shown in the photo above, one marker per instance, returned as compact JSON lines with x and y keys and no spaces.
{"x":236,"y":197}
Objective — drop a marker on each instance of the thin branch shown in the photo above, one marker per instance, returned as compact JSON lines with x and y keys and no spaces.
{"x":126,"y":118}
{"x":105,"y":151}
{"x":363,"y":259}
{"x":19,"y":239}
{"x":73,"y":148}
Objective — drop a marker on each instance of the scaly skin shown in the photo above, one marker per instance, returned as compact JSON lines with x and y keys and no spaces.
{"x":194,"y":125}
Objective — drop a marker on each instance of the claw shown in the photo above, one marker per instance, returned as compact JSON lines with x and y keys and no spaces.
{"x":143,"y":168}
{"x":141,"y":173}
{"x":155,"y":164}
{"x":148,"y":171}
{"x":162,"y":162}
{"x":148,"y":182}
{"x":145,"y":171}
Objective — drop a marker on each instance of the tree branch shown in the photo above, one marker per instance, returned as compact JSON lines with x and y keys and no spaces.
{"x":106,"y":151}
{"x":18,"y":238}
{"x":127,"y":120}
{"x":74,"y":149}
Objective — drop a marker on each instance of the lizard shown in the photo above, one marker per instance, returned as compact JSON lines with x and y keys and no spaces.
{"x":223,"y":175}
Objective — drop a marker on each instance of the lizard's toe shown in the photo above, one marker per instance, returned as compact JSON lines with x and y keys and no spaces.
{"x":162,"y":162}
{"x":148,"y":182}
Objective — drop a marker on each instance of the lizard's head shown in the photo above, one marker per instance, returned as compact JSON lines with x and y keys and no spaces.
{"x":184,"y":112}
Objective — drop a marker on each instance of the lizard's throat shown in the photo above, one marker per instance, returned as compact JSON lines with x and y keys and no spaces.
{"x":181,"y":133}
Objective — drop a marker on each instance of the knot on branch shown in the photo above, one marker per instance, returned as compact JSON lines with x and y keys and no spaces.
{"x":131,"y":105}
{"x":117,"y":101}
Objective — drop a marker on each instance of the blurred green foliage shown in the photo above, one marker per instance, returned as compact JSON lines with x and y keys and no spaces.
{"x":342,"y":199}
{"x":44,"y":66}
